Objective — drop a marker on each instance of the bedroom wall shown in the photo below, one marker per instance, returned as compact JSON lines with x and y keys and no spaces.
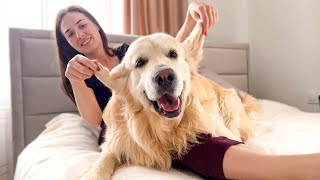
{"x":12,"y":15}
{"x":233,"y":21}
{"x":284,"y":39}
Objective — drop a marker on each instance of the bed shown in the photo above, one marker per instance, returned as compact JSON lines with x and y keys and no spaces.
{"x":51,"y":141}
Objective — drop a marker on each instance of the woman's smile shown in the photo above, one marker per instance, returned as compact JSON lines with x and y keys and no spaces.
{"x":86,"y":41}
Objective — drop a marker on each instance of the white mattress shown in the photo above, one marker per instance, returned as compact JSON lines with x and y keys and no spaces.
{"x":68,"y":145}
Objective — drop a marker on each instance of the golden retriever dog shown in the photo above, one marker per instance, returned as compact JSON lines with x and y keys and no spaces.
{"x":160,"y":104}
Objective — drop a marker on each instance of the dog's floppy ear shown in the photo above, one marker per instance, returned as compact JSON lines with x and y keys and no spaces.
{"x":114,"y":79}
{"x":193,"y":46}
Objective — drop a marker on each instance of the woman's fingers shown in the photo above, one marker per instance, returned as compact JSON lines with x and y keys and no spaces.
{"x":207,"y":13}
{"x":83,"y":69}
{"x":77,"y":75}
{"x":210,"y":16}
{"x":216,"y":15}
{"x":86,"y":62}
{"x":204,"y":16}
{"x":96,"y":61}
{"x":72,"y":77}
{"x":80,"y":68}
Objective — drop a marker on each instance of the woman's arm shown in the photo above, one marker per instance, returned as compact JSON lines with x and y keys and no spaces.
{"x":78,"y":69}
{"x":198,"y":10}
{"x":240,"y":162}
{"x":87,"y":103}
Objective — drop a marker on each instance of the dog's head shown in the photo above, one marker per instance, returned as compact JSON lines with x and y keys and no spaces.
{"x":156,"y":72}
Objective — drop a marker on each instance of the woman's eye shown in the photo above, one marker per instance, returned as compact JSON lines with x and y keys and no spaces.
{"x":141,"y":62}
{"x":71,"y":34}
{"x":83,"y":25}
{"x":172,"y":54}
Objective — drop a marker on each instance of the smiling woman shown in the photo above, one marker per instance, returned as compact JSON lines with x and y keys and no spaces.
{"x":40,"y":17}
{"x":37,"y":15}
{"x":82,"y":34}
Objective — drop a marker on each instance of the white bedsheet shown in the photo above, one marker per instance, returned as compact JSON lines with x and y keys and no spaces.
{"x":283,"y":129}
{"x":68,"y":145}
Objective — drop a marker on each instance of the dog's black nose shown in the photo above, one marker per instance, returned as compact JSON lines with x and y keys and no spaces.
{"x":164,"y":78}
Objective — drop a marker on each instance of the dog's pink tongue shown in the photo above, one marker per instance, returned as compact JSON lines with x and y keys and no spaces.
{"x":168,"y":103}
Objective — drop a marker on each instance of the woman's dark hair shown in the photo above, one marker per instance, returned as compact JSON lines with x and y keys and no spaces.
{"x":66,"y":51}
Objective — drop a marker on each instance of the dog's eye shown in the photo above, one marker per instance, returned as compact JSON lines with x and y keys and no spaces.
{"x":140,"y":62}
{"x":172,"y":54}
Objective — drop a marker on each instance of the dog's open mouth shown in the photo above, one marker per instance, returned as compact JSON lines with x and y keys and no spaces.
{"x":168,"y":105}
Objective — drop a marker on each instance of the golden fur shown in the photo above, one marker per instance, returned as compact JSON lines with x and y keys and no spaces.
{"x":139,"y":135}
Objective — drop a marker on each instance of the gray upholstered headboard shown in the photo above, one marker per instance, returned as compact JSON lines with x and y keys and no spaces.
{"x":35,"y":82}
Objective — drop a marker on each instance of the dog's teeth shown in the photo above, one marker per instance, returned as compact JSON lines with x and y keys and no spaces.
{"x":160,"y":105}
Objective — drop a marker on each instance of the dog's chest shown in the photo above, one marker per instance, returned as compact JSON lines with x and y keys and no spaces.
{"x":131,"y":138}
{"x":133,"y":151}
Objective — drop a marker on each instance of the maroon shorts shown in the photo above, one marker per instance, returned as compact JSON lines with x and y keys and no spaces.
{"x":206,"y":158}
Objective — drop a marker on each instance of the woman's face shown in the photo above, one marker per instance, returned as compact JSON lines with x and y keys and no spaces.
{"x":81,"y":33}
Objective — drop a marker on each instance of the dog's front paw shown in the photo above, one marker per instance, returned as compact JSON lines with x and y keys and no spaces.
{"x":91,"y":175}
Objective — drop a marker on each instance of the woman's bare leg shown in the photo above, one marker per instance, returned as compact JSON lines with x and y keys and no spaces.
{"x":240,"y":162}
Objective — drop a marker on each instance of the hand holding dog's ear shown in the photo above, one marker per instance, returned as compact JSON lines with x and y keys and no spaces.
{"x":207,"y":13}
{"x":195,"y":39}
{"x":113,"y":79}
{"x":80,"y":68}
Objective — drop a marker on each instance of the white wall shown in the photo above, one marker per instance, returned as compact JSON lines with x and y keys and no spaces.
{"x":13,"y":15}
{"x":284,"y":39}
{"x":233,"y":21}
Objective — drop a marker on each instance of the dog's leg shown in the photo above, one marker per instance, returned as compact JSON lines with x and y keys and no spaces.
{"x":103,"y":168}
{"x":234,"y":114}
{"x":250,"y":103}
{"x":222,"y":130}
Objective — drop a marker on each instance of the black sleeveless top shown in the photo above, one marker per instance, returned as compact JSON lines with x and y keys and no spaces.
{"x":102,"y":93}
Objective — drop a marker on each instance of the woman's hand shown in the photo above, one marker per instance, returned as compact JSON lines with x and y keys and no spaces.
{"x":80,"y":68}
{"x":205,"y":12}
{"x":198,"y":10}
